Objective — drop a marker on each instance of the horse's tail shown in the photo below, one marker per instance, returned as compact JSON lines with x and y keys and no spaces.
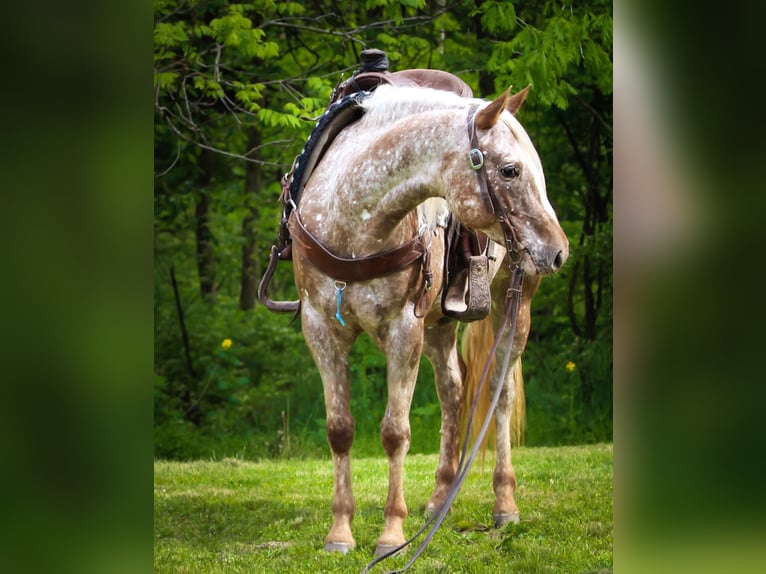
{"x":519,"y":411}
{"x":476,"y":343}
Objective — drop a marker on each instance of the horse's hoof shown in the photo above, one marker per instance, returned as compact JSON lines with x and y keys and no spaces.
{"x":384,"y":549}
{"x":431,"y":508}
{"x":503,"y":519}
{"x":342,"y":547}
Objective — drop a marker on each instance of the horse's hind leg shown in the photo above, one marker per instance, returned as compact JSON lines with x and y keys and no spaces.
{"x":505,"y":509}
{"x":441,"y":350}
{"x":331,"y":357}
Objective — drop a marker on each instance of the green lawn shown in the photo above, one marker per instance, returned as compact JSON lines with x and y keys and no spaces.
{"x":236,"y":516}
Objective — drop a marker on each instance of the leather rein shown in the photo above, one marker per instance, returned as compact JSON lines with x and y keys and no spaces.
{"x":511,"y":310}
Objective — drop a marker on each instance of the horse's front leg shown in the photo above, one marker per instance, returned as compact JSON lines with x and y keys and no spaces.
{"x":441,"y":349}
{"x":403,"y":344}
{"x":330,"y":346}
{"x":505,"y":509}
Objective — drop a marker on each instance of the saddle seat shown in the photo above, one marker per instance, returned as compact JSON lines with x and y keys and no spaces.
{"x":417,"y":77}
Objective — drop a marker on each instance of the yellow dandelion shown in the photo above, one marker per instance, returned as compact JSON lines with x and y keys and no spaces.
{"x":226,"y":343}
{"x":571,"y":366}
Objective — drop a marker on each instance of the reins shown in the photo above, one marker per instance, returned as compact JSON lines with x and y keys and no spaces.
{"x":511,"y":309}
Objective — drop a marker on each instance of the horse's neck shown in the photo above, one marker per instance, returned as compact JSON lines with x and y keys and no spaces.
{"x":398,"y":171}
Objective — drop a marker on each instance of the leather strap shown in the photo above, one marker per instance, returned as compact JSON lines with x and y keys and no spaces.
{"x":491,"y":202}
{"x":476,"y":159}
{"x":348,"y":269}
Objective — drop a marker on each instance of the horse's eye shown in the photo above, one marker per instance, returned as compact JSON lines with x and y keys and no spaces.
{"x":510,"y":170}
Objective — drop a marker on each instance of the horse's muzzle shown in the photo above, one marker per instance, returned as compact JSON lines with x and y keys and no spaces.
{"x":549,"y":259}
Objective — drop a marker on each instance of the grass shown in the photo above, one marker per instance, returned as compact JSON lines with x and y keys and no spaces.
{"x":272,"y":516}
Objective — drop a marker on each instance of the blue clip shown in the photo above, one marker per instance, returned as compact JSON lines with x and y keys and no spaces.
{"x":339,"y":287}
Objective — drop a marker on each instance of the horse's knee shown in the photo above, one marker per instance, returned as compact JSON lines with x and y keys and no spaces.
{"x":340,"y":433}
{"x":393,"y":436}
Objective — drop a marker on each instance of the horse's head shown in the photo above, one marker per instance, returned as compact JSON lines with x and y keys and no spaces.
{"x":515,"y":188}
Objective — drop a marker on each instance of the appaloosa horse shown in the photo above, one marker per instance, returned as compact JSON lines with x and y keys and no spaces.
{"x":368,"y":241}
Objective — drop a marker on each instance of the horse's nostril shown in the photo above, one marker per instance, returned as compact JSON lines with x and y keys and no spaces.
{"x":558,"y":261}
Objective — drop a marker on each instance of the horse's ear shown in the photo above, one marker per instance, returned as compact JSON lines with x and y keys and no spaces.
{"x":487,"y":116}
{"x":515,"y":101}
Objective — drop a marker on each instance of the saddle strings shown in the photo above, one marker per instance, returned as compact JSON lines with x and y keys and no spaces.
{"x":512,"y":302}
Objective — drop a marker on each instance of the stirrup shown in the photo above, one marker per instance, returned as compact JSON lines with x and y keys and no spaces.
{"x":468,"y":296}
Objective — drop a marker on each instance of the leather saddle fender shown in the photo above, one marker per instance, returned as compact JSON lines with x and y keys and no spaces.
{"x":466,"y":295}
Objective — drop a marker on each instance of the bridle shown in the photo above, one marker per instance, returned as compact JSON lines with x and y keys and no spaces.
{"x":511,"y":310}
{"x":488,"y":195}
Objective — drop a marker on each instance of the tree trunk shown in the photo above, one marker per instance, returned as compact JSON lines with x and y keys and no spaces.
{"x":191,"y":411}
{"x":205,"y":260}
{"x":250,"y":264}
{"x":589,"y":157}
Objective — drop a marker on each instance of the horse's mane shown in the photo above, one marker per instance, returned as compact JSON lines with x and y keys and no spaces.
{"x":390,"y":103}
{"x":519,"y":133}
{"x":522,"y":137}
{"x":381,"y":108}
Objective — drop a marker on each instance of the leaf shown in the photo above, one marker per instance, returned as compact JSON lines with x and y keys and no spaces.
{"x":413,"y":3}
{"x":290,"y":8}
{"x":166,"y":80}
{"x":498,"y":16}
{"x":203,"y":30}
{"x":170,"y":34}
{"x":291,"y":108}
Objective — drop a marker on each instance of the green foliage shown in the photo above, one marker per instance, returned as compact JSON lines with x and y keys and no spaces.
{"x":273,"y":118}
{"x":551,"y":51}
{"x":168,"y":35}
{"x":498,"y":16}
{"x":239,"y":393}
{"x":236,"y":31}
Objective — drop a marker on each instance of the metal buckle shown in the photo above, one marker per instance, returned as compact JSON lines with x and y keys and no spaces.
{"x":476,"y":164}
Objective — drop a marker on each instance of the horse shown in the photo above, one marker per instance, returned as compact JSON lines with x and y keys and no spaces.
{"x":382,"y":196}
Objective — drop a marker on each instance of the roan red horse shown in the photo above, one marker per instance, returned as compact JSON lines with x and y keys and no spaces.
{"x":369,"y":230}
